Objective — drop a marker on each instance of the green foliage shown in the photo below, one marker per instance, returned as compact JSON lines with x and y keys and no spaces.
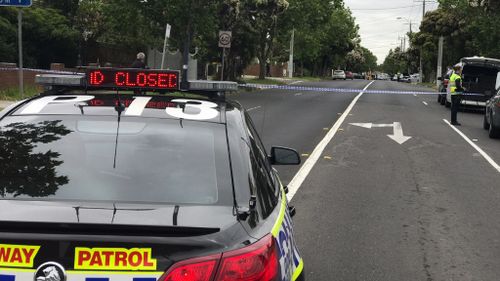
{"x":8,"y":36}
{"x":325,"y":32}
{"x":12,"y":94}
{"x":61,"y":30}
{"x":470,"y":28}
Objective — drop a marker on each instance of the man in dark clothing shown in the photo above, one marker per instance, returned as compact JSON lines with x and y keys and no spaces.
{"x":456,"y":91}
{"x":139,"y":62}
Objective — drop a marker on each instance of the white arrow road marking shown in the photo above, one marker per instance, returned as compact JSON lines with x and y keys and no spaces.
{"x":397,"y":136}
{"x":363,"y":125}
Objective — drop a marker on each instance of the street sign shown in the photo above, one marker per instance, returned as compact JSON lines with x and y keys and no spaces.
{"x":16,"y":3}
{"x":225,"y":39}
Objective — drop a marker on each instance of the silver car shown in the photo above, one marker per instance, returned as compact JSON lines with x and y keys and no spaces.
{"x":338,"y":74}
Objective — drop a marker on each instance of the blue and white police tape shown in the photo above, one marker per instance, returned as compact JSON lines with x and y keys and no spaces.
{"x":37,"y":70}
{"x":340,"y":90}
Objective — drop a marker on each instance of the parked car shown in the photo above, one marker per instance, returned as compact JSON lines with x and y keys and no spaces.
{"x":479,"y":77}
{"x":349,"y":75}
{"x":358,"y":76}
{"x":339,"y":74}
{"x":492,"y":113}
{"x":443,"y":87}
{"x":414,"y":78}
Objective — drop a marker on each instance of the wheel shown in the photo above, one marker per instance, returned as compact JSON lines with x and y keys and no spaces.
{"x":486,"y":125}
{"x":493,"y":132}
{"x":443,"y":100}
{"x":447,"y":103}
{"x":439,"y":98}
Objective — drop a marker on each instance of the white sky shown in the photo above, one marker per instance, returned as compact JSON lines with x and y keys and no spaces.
{"x":378,"y":23}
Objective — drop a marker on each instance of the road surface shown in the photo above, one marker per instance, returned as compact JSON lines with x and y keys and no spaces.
{"x":374,"y":209}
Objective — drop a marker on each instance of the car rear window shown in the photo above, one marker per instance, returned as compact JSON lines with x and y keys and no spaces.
{"x":97,"y":158}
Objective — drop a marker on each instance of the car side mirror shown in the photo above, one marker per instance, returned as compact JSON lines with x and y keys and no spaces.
{"x":284,"y":156}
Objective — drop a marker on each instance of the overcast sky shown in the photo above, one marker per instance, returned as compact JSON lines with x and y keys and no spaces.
{"x":378,"y":23}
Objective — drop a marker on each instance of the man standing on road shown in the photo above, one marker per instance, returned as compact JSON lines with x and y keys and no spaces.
{"x":456,"y":91}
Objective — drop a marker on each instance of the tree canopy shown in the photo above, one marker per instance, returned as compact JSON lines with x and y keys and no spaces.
{"x":75,"y":31}
{"x":469,"y":28}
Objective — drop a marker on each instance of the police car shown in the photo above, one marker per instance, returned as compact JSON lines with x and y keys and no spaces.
{"x":123,"y":175}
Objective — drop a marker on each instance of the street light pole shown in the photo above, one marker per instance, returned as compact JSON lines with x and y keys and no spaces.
{"x":20,"y":46}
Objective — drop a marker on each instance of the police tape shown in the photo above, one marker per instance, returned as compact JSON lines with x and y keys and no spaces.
{"x":340,"y":90}
{"x":37,"y":70}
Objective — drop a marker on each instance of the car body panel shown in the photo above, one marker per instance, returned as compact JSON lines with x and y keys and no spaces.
{"x":492,"y":111}
{"x":67,"y":231}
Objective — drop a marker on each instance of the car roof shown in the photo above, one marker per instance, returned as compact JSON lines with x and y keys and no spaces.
{"x":103,"y":104}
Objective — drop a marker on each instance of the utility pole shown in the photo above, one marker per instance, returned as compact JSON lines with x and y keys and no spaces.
{"x":439,"y":71}
{"x":421,"y":72}
{"x":290,"y":60}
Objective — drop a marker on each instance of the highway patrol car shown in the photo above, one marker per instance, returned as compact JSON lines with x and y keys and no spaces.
{"x":122,"y":175}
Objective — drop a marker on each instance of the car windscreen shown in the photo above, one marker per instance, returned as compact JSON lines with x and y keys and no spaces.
{"x":98,"y":158}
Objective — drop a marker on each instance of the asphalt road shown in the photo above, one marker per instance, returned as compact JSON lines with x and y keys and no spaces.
{"x":374,"y":209}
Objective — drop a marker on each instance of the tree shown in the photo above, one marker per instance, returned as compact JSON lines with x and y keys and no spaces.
{"x":26,"y":170}
{"x":8,"y":36}
{"x":325,"y":32}
{"x":470,"y":28}
{"x":264,"y":16}
{"x":361,"y":60}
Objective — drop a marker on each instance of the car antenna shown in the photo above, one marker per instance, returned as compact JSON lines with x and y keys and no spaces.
{"x":119,"y":107}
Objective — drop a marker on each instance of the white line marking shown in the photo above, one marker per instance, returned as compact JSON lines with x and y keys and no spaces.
{"x":253,"y":108}
{"x":306,"y":168}
{"x":298,"y":94}
{"x":295,"y":82}
{"x":486,"y":156}
{"x":426,"y":104}
{"x":414,"y":95}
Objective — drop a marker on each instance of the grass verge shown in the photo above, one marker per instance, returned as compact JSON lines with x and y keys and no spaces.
{"x":12,"y":94}
{"x":284,"y":81}
{"x":264,"y":81}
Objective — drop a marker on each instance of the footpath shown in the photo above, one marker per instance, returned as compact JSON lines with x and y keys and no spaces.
{"x":4,"y":103}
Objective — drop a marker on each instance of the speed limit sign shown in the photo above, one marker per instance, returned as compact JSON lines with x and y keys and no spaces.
{"x":225,"y":39}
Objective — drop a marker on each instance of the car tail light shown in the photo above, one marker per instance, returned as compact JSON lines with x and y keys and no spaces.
{"x":257,"y":262}
{"x":197,"y":269}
